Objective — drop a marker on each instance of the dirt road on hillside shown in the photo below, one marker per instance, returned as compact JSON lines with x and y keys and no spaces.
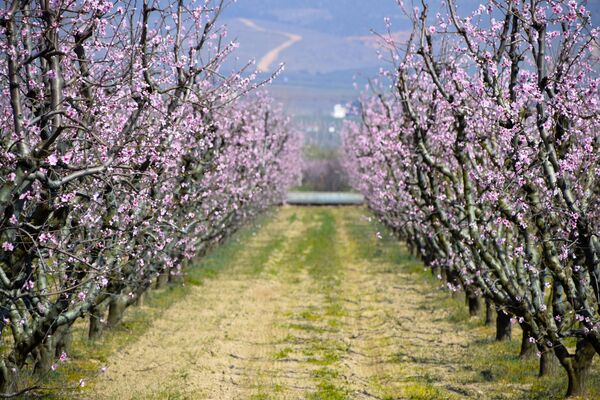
{"x":265,"y":64}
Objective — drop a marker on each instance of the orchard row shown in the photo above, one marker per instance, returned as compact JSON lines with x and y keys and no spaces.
{"x":125,"y":151}
{"x":480,"y":148}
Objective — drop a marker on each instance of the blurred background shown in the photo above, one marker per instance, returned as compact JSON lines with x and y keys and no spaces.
{"x":329,"y":50}
{"x":327,"y":46}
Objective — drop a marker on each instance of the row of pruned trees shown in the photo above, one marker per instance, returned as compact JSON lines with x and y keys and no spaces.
{"x":125,"y":151}
{"x":485,"y":157}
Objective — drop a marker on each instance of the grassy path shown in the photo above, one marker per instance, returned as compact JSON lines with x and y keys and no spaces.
{"x":315,"y":306}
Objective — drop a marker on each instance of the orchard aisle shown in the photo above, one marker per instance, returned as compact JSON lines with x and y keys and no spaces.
{"x":314,"y":307}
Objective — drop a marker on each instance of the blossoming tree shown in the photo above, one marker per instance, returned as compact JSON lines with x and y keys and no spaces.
{"x":486,"y":159}
{"x":125,"y":150}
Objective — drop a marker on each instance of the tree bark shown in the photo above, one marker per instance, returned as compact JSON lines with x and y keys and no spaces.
{"x":473,"y":301}
{"x":162,"y":280}
{"x":528,"y":349}
{"x":452,"y":277}
{"x":63,"y":339}
{"x":489,"y":313}
{"x":175,"y":278}
{"x":44,"y":356}
{"x":139,"y":300}
{"x":503,"y":327}
{"x":96,"y":325}
{"x":548,"y":362}
{"x":444,"y":273}
{"x":116,"y":308}
{"x":9,"y":377}
{"x":578,"y":368}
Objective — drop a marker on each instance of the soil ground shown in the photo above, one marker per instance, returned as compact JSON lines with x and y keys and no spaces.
{"x":320,"y":303}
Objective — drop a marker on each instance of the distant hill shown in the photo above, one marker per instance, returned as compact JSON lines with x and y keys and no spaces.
{"x":326,"y":45}
{"x":336,"y":38}
{"x":315,"y":52}
{"x":336,"y":41}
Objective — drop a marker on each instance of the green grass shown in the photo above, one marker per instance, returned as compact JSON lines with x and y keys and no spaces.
{"x":283,"y":353}
{"x":424,"y":391}
{"x":324,"y":352}
{"x":310,"y":315}
{"x":309,"y":328}
{"x":335,"y":309}
{"x":326,"y":390}
{"x":316,"y":253}
{"x":376,"y":242}
{"x":322,"y":260}
{"x":325,"y":373}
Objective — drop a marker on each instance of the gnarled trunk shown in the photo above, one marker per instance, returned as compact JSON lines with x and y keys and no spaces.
{"x":175,"y":278}
{"x":9,"y":377}
{"x":162,"y":280}
{"x":44,"y":356}
{"x":473,"y":301}
{"x":577,"y":366}
{"x":489,"y":313}
{"x":503,"y":326}
{"x":549,"y":364}
{"x":436,"y":271}
{"x":96,"y":323}
{"x":116,"y":309}
{"x":139,"y":300}
{"x":63,"y":339}
{"x":528,"y":348}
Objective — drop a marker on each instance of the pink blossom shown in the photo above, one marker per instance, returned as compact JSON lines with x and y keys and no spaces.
{"x":52,"y":159}
{"x":8,"y":246}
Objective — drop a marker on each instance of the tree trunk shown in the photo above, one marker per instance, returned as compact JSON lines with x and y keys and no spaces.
{"x":176,"y":274}
{"x":44,"y":356}
{"x":503,"y":327}
{"x":139,"y":300}
{"x":176,"y":278}
{"x":474,"y":302}
{"x":116,"y":308}
{"x":9,"y":377}
{"x":489,"y":313}
{"x":548,"y":362}
{"x":96,"y":323}
{"x":528,"y":349}
{"x":578,"y":368}
{"x":162,"y":280}
{"x":452,"y":279}
{"x":63,"y":340}
{"x":444,"y":273}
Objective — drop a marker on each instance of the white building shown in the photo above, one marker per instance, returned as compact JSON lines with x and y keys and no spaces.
{"x":339,"y":111}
